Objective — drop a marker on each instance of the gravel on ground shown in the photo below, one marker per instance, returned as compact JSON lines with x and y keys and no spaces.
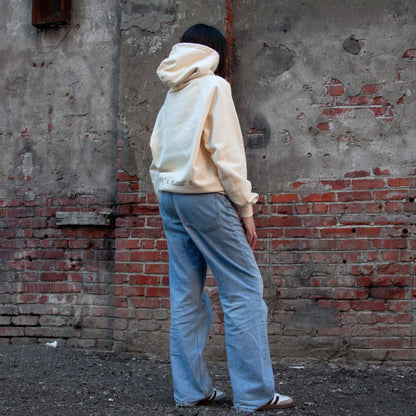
{"x":68,"y":381}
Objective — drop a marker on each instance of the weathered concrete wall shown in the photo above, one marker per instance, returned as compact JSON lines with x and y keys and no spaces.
{"x":325,"y":87}
{"x":59,"y":102}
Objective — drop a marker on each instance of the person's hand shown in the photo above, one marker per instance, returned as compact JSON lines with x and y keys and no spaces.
{"x":250,"y":227}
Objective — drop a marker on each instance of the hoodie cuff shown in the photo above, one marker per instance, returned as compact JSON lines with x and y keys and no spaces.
{"x":246,"y":211}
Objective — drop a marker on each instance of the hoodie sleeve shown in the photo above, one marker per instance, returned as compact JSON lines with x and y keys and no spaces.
{"x":223,"y":139}
{"x":154,"y":169}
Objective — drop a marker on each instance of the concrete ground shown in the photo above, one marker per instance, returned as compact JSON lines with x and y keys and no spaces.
{"x":63,"y":381}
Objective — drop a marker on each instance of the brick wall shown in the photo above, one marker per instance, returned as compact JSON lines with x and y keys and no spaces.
{"x":56,"y":282}
{"x":337,"y":258}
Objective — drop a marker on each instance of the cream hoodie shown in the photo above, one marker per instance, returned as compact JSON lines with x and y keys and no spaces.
{"x":196,"y":144}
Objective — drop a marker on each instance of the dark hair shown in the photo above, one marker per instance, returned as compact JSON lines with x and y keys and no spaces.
{"x":211,"y":37}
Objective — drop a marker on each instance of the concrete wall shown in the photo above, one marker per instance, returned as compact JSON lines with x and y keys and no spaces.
{"x":325,"y":93}
{"x":59,"y":102}
{"x":324,"y":88}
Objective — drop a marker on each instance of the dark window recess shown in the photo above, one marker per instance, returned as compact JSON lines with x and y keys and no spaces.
{"x":50,"y":13}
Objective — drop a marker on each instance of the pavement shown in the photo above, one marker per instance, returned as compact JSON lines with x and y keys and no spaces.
{"x":69,"y":381}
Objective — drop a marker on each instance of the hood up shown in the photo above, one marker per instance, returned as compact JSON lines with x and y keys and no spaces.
{"x":186,"y":62}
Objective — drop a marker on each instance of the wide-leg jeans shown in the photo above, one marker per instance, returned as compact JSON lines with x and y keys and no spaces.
{"x":201,"y":230}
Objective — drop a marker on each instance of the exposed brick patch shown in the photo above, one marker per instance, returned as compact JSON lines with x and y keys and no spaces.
{"x":340,"y":104}
{"x":410,"y":54}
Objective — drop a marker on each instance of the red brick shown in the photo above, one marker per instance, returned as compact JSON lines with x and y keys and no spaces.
{"x":269,"y":233}
{"x":21,"y":212}
{"x":354,"y":219}
{"x":284,"y":210}
{"x":393,"y":207}
{"x":374,"y":281}
{"x":368,"y":231}
{"x":53,"y":277}
{"x":362,"y":269}
{"x":337,"y":208}
{"x":130,"y":198}
{"x":161,"y":292}
{"x":120,"y":302}
{"x":147,"y":233}
{"x":335,"y":111}
{"x":299,"y":184}
{"x":319,"y":221}
{"x":371,"y":89}
{"x":381,"y":172}
{"x":409,"y":54}
{"x":125,"y":177}
{"x":402,"y":281}
{"x":285,"y":221}
{"x":334,"y":184}
{"x":157,"y":268}
{"x":300,"y":232}
{"x":357,"y":100}
{"x":403,"y":318}
{"x":144,"y":256}
{"x":325,"y":197}
{"x":388,"y":195}
{"x":302,"y":209}
{"x":336,"y":90}
{"x":397,"y":243}
{"x":341,"y":293}
{"x":319,"y":208}
{"x":126,"y":244}
{"x":386,"y":293}
{"x":368,"y":305}
{"x":336,"y":232}
{"x":38,"y":287}
{"x":368,"y":183}
{"x":342,"y":305}
{"x":391,"y":220}
{"x":125,"y":267}
{"x":122,"y":256}
{"x":389,"y":344}
{"x":391,"y":255}
{"x":353,"y":244}
{"x":141,"y":279}
{"x":11,"y":332}
{"x":354,"y":196}
{"x":324,"y":126}
{"x":284,"y":198}
{"x":357,"y":174}
{"x":398,"y":182}
{"x":394,"y":268}
{"x":129,"y":291}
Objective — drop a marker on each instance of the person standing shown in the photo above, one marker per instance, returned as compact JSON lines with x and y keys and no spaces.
{"x":200,"y":177}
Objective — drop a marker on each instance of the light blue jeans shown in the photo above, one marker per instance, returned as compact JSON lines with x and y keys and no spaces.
{"x":205,"y":229}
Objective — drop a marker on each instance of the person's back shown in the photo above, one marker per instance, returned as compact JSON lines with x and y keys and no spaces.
{"x":199,"y":172}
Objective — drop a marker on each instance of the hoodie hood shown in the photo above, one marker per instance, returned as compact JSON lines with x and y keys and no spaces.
{"x":186,"y":62}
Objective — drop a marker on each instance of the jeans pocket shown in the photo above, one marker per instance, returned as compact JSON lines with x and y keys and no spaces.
{"x":200,"y":211}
